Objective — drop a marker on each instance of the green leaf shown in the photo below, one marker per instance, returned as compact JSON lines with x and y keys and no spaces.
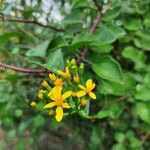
{"x":111,"y":14}
{"x":107,"y":68}
{"x":142,"y":39}
{"x":5,"y":91}
{"x":102,"y":114}
{"x":38,"y":121}
{"x":4,"y":38}
{"x":39,"y":50}
{"x":101,"y":48}
{"x":110,"y":88}
{"x":142,"y":92}
{"x":55,"y":61}
{"x":83,"y":114}
{"x":104,"y":35}
{"x":82,"y":39}
{"x":129,"y":82}
{"x":117,"y":31}
{"x":143,"y":111}
{"x":113,"y":111}
{"x":133,"y":24}
{"x":133,"y":54}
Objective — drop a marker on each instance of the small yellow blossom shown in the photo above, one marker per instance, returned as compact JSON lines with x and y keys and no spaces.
{"x":84,"y":102}
{"x":33,"y":104}
{"x":40,"y":94}
{"x":45,"y":84}
{"x":58,"y":82}
{"x":76,"y":79}
{"x":52,"y":76}
{"x":87,"y":89}
{"x":58,"y":101}
{"x":65,"y":74}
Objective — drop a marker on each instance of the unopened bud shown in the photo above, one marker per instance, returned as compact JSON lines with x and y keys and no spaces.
{"x":73,"y":62}
{"x":68,"y":63}
{"x":51,"y":112}
{"x":74,"y":69}
{"x":81,"y":68}
{"x":76,"y":79}
{"x":84,"y":102}
{"x":33,"y":104}
{"x":45,"y":84}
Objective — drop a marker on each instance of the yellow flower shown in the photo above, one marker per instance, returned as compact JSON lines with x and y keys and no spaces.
{"x":40,"y":94}
{"x":87,"y":89}
{"x":58,"y":101}
{"x":76,"y":79}
{"x":33,"y":104}
{"x":84,"y":102}
{"x":52,"y":76}
{"x":65,"y":74}
{"x":58,"y":82}
{"x":45,"y":84}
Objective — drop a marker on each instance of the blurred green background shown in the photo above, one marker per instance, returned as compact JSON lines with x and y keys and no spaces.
{"x":122,"y":37}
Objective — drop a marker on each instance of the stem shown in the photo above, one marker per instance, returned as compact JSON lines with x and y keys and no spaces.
{"x":24,"y":70}
{"x":33,"y":21}
{"x":92,"y":30}
{"x":147,"y":136}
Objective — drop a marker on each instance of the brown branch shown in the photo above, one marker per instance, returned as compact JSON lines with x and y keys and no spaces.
{"x":145,"y":137}
{"x":33,"y":21}
{"x":24,"y":70}
{"x":92,"y":30}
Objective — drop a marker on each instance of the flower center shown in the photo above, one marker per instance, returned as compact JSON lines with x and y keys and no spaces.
{"x":88,"y":90}
{"x":59,"y":101}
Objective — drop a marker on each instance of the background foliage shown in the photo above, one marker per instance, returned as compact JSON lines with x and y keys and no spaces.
{"x":50,"y":32}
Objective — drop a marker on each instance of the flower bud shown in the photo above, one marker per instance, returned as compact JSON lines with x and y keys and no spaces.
{"x":52,"y":76}
{"x":76,"y":79}
{"x":51,"y":112}
{"x":81,"y":68}
{"x":84,"y":102}
{"x":74,"y":69}
{"x":73,"y":62}
{"x":45,"y":84}
{"x":68,"y":63}
{"x":33,"y":104}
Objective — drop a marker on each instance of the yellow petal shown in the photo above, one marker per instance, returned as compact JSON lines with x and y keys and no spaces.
{"x":57,"y":92}
{"x":67,"y":94}
{"x":66,"y":105}
{"x":54,"y":92}
{"x":81,"y":87}
{"x":50,"y":105}
{"x":92,"y":95}
{"x":88,"y":82}
{"x":80,"y":93}
{"x":59,"y":113}
{"x":92,"y":86}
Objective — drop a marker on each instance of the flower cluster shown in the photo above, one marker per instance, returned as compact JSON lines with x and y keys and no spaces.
{"x":66,"y":90}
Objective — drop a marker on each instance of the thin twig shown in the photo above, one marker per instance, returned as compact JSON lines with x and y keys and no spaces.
{"x":33,"y":21}
{"x":24,"y":70}
{"x":92,"y":30}
{"x":145,"y":137}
